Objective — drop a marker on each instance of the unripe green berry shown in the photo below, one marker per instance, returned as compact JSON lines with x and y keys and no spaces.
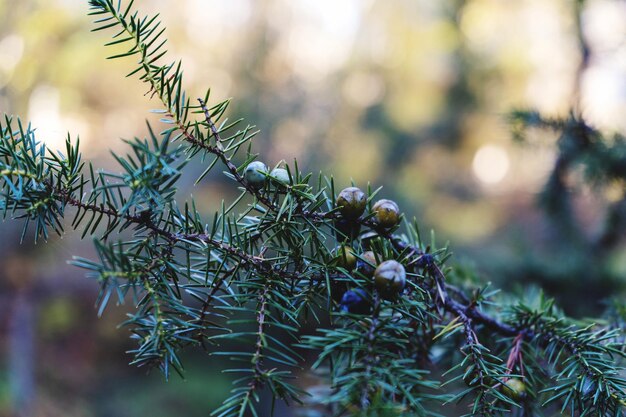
{"x":351,"y":202}
{"x":367,"y":264}
{"x":344,"y":257}
{"x":514,"y":388}
{"x":280,"y":174}
{"x":255,"y":174}
{"x":390,"y":279}
{"x":386,"y":213}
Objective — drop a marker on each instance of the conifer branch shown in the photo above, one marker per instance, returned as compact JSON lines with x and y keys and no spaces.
{"x":258,"y":274}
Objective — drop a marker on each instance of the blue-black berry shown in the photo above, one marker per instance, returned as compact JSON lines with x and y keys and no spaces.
{"x":355,"y":301}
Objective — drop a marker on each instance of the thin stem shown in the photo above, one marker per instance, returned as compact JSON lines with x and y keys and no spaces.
{"x":218,"y":151}
{"x":447,"y":302}
{"x":369,"y":357}
{"x":257,"y":357}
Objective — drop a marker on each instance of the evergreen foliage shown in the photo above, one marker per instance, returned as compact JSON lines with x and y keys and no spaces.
{"x":587,"y":163}
{"x":265,"y":274}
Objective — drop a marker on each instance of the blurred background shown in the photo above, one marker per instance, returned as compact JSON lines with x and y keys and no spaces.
{"x":408,"y":94}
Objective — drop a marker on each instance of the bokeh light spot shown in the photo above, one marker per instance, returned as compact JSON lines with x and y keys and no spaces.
{"x":491,"y":164}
